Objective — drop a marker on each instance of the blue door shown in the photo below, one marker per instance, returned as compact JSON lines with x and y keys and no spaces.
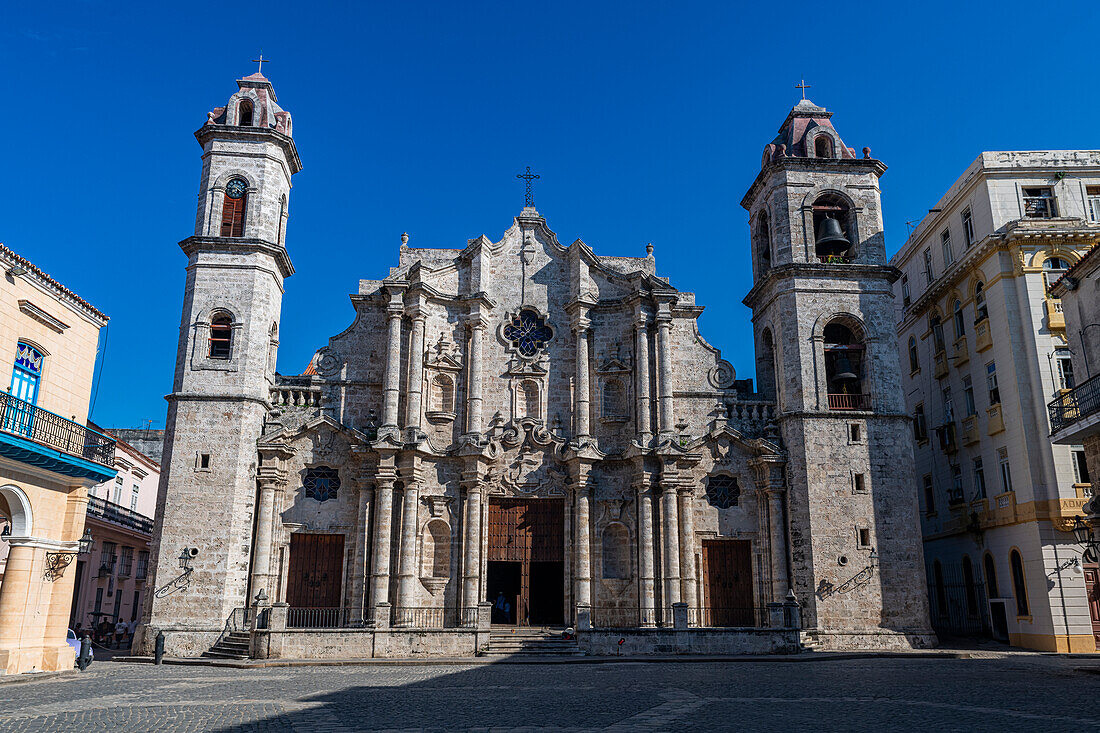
{"x":19,"y":414}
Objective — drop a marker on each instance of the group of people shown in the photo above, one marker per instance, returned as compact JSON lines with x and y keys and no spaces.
{"x":108,"y":634}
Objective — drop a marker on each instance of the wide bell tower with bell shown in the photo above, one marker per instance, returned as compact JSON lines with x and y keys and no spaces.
{"x":823,"y":320}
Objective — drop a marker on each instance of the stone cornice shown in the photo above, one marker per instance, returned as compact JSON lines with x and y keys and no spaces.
{"x":194,"y":244}
{"x":837,"y":165}
{"x":252,"y":134}
{"x":848,"y":271}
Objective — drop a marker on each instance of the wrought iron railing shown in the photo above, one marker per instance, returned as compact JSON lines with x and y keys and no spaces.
{"x":434,"y":618}
{"x":849,"y":402}
{"x":19,"y":417}
{"x":1068,"y":408}
{"x":111,"y":512}
{"x":333,"y":617}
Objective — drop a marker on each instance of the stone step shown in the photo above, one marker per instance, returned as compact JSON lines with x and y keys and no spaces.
{"x":212,"y":654}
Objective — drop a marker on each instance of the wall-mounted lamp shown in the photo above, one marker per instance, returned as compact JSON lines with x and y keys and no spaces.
{"x":17,"y":271}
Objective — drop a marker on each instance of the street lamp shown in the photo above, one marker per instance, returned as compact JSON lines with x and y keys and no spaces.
{"x":1082,"y":532}
{"x":56,"y":562}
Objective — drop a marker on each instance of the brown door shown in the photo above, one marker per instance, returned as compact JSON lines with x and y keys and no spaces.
{"x":316,"y":567}
{"x":1092,"y":589}
{"x":526,"y":535}
{"x":727,"y":583}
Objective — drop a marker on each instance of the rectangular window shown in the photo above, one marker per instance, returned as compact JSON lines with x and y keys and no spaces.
{"x":1093,"y":193}
{"x":920,"y":425}
{"x":98,"y":600}
{"x":905,"y":299}
{"x":134,"y":493}
{"x":929,"y":495}
{"x":948,"y":405}
{"x":1080,"y":468}
{"x":1065,"y":369}
{"x":968,"y":396}
{"x":126,"y":562}
{"x":107,"y":559}
{"x":1006,"y":470}
{"x":945,"y":242}
{"x":860,"y":483}
{"x":142,"y":564}
{"x":968,"y":227}
{"x":991,"y":382}
{"x":864,"y":535}
{"x":979,"y":478}
{"x":928,"y":266}
{"x":956,"y":496}
{"x":1039,"y":203}
{"x":116,"y":496}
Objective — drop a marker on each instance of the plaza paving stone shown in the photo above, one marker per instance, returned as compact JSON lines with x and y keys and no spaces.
{"x":998,"y":692}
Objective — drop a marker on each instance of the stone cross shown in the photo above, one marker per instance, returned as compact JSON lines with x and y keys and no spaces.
{"x":261,"y":61}
{"x":803,"y":86}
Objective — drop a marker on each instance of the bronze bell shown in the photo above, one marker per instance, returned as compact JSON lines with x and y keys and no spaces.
{"x":830,"y":238}
{"x":844,"y":369}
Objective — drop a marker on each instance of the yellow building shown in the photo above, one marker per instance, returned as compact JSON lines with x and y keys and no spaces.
{"x":48,"y":459}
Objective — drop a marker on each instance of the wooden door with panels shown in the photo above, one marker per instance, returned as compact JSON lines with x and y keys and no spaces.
{"x":727,"y":583}
{"x":316,"y":569}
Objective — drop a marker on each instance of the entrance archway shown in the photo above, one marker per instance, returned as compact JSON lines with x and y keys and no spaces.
{"x":525,"y":573}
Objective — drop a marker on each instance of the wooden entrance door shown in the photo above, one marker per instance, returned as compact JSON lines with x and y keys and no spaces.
{"x":1092,"y":589}
{"x":316,"y":568}
{"x":526,"y":532}
{"x":727,"y":584}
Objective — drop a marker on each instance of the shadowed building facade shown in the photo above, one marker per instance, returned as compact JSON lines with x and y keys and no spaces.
{"x":517,"y":432}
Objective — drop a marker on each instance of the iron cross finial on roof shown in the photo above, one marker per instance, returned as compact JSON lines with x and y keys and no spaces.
{"x":528,"y":177}
{"x":261,"y":61}
{"x":803,"y":86}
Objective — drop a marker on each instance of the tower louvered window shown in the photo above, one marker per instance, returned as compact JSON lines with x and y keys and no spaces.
{"x":233,"y":208}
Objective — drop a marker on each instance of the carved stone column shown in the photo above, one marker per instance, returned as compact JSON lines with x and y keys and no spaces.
{"x":664,"y":369}
{"x":771,"y":487}
{"x":361,"y":572}
{"x":474,"y":422}
{"x":380,"y":552}
{"x":670,"y":533}
{"x":391,"y":384}
{"x":647,"y":592}
{"x":582,"y":414}
{"x":406,"y":567}
{"x":414,"y":398}
{"x":272,"y":479}
{"x":686,"y":511}
{"x":471,"y":547}
{"x":641,"y":359}
{"x":582,"y":581}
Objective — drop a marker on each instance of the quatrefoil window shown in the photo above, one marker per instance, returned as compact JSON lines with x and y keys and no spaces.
{"x":321,"y":483}
{"x":722,"y":491}
{"x":527,"y":332}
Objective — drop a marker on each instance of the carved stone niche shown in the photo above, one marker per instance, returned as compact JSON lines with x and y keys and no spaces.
{"x":442,"y":366}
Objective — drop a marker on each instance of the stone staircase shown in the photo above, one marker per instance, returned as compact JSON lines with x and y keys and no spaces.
{"x":535,"y":642}
{"x":233,"y":645}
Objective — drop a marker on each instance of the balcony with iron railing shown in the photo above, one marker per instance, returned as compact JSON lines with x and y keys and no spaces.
{"x":1076,"y":414}
{"x":115,"y":514}
{"x":849,"y":402}
{"x":22,"y":421}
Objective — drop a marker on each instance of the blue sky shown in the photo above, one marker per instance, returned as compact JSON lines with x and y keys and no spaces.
{"x":645,"y":120}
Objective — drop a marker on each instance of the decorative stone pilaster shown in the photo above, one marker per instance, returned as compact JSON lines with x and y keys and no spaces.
{"x":361,"y":572}
{"x":582,"y":580}
{"x":414,"y":398}
{"x":686,"y":512}
{"x":272,"y":480}
{"x":406,"y":568}
{"x":391,"y":381}
{"x":583,"y":426}
{"x":664,"y":368}
{"x":670,"y":533}
{"x":477,"y":327}
{"x":471,"y":545}
{"x":771,"y":485}
{"x":641,"y":348}
{"x":647,"y":591}
{"x":380,"y":551}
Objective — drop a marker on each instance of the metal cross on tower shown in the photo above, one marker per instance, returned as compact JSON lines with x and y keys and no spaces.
{"x":528,"y":177}
{"x":803,"y":86}
{"x":261,"y":61}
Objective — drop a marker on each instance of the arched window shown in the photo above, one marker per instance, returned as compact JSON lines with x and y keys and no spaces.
{"x":991,"y":577}
{"x":979,"y":302}
{"x":244,"y":113}
{"x":221,"y":337}
{"x":765,"y":365}
{"x":823,"y":147}
{"x":960,"y":327}
{"x":941,"y":588}
{"x":971,"y":588}
{"x":1019,"y":585}
{"x":615,"y":549}
{"x":443,"y":393}
{"x":527,"y":400}
{"x":914,"y":356}
{"x":321,"y":483}
{"x":844,"y":368}
{"x":764,"y":239}
{"x":832,"y":228}
{"x":937,"y":331}
{"x":436,"y":556}
{"x":233,"y":205}
{"x":27,"y":373}
{"x":723,"y":491}
{"x":1053,"y":268}
{"x":614,"y":398}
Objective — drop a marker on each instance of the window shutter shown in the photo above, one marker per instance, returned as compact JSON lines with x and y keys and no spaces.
{"x":233,"y":217}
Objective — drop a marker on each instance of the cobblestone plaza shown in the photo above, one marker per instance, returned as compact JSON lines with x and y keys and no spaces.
{"x":995,"y":692}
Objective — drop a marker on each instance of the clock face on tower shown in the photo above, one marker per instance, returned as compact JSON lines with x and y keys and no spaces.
{"x":235,"y":189}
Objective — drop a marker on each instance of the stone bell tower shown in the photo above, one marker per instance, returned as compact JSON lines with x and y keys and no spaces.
{"x":824,"y":329}
{"x":225,"y":367}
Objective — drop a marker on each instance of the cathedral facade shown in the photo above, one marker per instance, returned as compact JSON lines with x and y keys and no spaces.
{"x":517,"y":432}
